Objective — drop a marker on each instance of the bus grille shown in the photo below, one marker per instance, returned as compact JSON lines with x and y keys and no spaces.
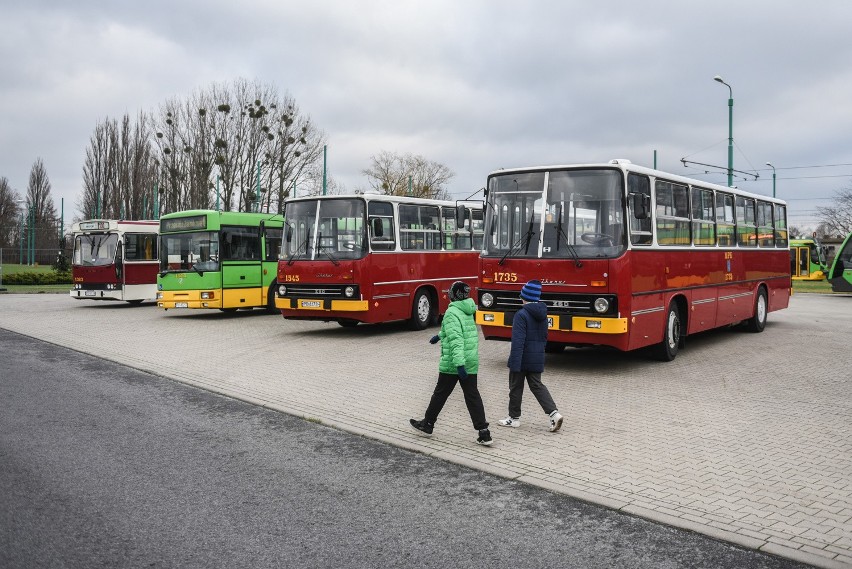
{"x":306,"y":290}
{"x":557,"y":303}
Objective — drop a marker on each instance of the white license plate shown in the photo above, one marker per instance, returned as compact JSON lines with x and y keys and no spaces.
{"x":181,"y":305}
{"x":90,"y":293}
{"x":311,"y":304}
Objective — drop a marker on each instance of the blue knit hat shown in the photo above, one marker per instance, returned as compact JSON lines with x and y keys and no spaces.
{"x":531,"y":291}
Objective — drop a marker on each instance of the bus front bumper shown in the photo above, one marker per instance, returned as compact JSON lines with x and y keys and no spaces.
{"x":327,"y":305}
{"x":189,"y":299}
{"x":97,"y":294}
{"x":584,"y":324}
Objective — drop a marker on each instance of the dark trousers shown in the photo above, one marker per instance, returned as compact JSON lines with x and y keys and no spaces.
{"x":516,"y":392}
{"x":472,"y":398}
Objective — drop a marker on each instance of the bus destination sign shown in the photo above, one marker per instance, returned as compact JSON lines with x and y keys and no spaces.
{"x":183,"y":223}
{"x":93,"y":225}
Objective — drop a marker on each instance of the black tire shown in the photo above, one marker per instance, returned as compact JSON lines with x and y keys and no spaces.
{"x":667,"y":350}
{"x":348,"y":323}
{"x":270,"y":299}
{"x":554,"y":347}
{"x":422,"y":310}
{"x":761,"y":307}
{"x":135,"y":302}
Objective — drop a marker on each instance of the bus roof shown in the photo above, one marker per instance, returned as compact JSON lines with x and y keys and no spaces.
{"x":89,"y":225}
{"x":387,"y":198}
{"x":627,"y":166}
{"x":248,"y":215}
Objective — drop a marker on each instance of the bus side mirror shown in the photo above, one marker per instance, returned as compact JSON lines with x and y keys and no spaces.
{"x":378,"y":229}
{"x":119,"y":260}
{"x":289,"y":233}
{"x":641,"y":204}
{"x":462,"y":215}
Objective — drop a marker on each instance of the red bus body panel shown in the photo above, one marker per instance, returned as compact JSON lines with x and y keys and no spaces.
{"x":717,"y":287}
{"x":387,"y":282}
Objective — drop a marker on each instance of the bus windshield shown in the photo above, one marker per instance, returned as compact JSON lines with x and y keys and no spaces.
{"x":556,"y":214}
{"x":95,"y":250}
{"x":330,"y":229}
{"x":197,"y":251}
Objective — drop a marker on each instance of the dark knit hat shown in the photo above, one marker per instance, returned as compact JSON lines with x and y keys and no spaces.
{"x":458,"y":291}
{"x":531,"y":291}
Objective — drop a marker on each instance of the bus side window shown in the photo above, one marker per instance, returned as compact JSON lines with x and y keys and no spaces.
{"x":381,"y":234}
{"x":640,"y":227}
{"x":725,"y":224}
{"x":273,"y":243}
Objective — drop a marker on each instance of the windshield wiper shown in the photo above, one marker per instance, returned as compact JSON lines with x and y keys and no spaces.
{"x":560,"y":232}
{"x":296,"y":252}
{"x":516,"y":247}
{"x":322,"y":249}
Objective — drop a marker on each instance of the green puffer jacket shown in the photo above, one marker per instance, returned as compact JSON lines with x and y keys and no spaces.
{"x":459,"y":338}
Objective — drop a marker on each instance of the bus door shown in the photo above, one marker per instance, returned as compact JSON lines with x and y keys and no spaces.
{"x":241,"y":267}
{"x":800,"y":261}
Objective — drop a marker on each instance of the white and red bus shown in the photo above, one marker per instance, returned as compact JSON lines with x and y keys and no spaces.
{"x":115,"y":260}
{"x":628,"y":256}
{"x":375,"y":258}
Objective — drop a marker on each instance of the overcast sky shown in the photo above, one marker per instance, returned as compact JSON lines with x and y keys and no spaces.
{"x":476,"y":85}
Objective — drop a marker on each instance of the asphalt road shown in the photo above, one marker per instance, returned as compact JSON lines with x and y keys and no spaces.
{"x":107,"y":466}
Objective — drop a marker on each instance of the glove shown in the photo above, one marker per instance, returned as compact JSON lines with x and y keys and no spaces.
{"x":434,"y":340}
{"x":462,"y":372}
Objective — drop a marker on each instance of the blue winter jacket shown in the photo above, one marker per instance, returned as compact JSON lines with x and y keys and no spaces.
{"x":529,"y":336}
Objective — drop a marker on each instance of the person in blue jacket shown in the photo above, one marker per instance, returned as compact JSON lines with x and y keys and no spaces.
{"x":526,"y":358}
{"x":459,"y":363}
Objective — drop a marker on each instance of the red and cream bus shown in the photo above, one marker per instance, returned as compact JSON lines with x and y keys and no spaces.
{"x":115,"y":260}
{"x":375,"y":258}
{"x":630,"y":257}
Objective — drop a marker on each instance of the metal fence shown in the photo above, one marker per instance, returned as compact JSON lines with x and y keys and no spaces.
{"x":40,"y":257}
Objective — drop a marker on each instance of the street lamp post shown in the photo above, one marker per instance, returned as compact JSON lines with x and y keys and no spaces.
{"x":773,"y":178}
{"x":730,"y":130}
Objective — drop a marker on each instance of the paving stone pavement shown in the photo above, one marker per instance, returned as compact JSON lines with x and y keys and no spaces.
{"x":744,"y":437}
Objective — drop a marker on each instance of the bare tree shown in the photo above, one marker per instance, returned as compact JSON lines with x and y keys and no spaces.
{"x":796,"y":232}
{"x":837,"y":218}
{"x":41,"y":208}
{"x":10,"y":214}
{"x":408,"y":175}
{"x":119,"y":172}
{"x":242,"y":145}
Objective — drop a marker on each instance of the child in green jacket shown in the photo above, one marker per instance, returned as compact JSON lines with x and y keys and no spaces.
{"x":459,"y":363}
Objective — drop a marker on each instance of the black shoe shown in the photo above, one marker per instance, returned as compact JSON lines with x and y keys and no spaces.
{"x":484,"y":438}
{"x":423,"y":428}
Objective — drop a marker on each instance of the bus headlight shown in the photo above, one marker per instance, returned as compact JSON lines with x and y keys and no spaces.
{"x":487,"y":299}
{"x":601,"y":305}
{"x":349,"y":291}
{"x":282,"y":290}
{"x":207,"y":294}
{"x":159,"y":296}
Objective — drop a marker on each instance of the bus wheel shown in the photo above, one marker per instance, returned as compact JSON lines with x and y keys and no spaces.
{"x":421,"y":311}
{"x":348,"y":323}
{"x":554,"y":347}
{"x":135,"y":301}
{"x":667,"y":349}
{"x":270,"y":299}
{"x":758,"y":322}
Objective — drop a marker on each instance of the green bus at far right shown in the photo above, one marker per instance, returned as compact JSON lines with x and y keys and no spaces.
{"x":840,"y":274}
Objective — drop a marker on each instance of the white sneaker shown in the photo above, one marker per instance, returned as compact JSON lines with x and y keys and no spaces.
{"x":555,"y":421}
{"x":509,"y":422}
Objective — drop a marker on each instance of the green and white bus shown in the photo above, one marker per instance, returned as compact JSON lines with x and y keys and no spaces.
{"x":840,"y":275}
{"x":218,"y":259}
